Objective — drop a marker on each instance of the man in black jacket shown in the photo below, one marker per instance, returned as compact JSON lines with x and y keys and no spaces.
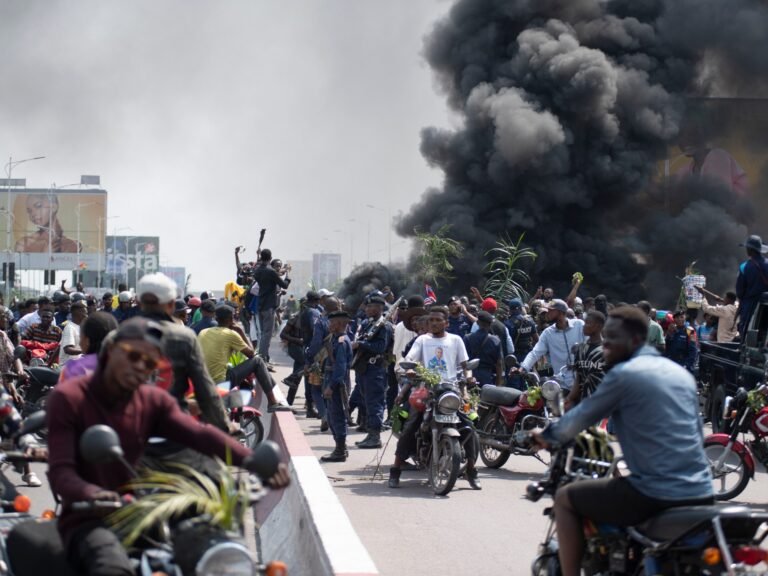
{"x":270,"y":282}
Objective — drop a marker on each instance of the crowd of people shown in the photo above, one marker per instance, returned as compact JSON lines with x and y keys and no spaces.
{"x":347,"y":361}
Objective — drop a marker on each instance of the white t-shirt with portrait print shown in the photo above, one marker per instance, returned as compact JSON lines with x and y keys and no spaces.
{"x":443,"y":356}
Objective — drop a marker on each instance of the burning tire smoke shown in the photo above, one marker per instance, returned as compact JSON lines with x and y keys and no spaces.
{"x":568,"y":107}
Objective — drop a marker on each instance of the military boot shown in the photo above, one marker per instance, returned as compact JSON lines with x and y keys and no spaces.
{"x":394,"y":477}
{"x":339,"y":454}
{"x":373,"y":440}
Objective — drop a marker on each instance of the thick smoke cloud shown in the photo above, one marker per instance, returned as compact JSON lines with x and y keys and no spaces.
{"x":567,"y":108}
{"x":365,"y":279}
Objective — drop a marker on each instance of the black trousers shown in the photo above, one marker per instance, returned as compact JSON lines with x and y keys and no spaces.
{"x":95,"y":550}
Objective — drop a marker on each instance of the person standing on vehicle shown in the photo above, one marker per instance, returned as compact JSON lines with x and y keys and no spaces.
{"x":557,"y":342}
{"x":454,"y":359}
{"x":655,"y":408}
{"x":752,"y":281}
{"x":588,"y":362}
{"x":725,"y":314}
{"x":335,"y":383}
{"x":117,"y":395}
{"x":681,"y":342}
{"x":371,"y":371}
{"x":270,"y":282}
{"x":486,"y":347}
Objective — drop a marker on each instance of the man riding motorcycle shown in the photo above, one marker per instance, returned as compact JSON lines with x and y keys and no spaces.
{"x":117,"y":395}
{"x":655,"y":411}
{"x":452,"y":348}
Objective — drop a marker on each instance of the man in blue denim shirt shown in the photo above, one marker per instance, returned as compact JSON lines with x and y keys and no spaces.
{"x":655,"y":410}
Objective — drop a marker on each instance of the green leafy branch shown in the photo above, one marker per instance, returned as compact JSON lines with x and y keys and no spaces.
{"x":506,"y":277}
{"x":436,"y":252}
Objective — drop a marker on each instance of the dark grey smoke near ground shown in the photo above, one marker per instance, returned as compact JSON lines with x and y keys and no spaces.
{"x":567,"y":108}
{"x":369,"y":277}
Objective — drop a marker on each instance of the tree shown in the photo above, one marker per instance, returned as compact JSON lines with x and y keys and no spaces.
{"x":435,"y":252}
{"x":506,"y":278}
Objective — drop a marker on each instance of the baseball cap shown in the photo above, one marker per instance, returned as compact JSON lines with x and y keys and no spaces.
{"x":195,"y":302}
{"x":485,"y":317}
{"x":140,"y":329}
{"x":489,"y":305}
{"x":376,"y":300}
{"x":124,"y":297}
{"x":558,"y":305}
{"x":180,"y":305}
{"x":324,"y":292}
{"x":515,"y":303}
{"x":158,"y":285}
{"x":454,"y":299}
{"x":312,"y":296}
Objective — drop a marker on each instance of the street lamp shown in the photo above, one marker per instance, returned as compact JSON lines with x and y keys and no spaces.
{"x":101,"y":249}
{"x":136,"y":246}
{"x":127,"y":241}
{"x":388,"y":212}
{"x":114,"y":251}
{"x":8,"y":220}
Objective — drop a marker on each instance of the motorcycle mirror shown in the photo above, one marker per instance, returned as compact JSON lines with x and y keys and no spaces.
{"x":510,"y":361}
{"x":408,"y":365}
{"x":550,"y":390}
{"x":473,"y":364}
{"x":100,"y":444}
{"x":19,"y":353}
{"x":34,"y":423}
{"x":266,"y":458}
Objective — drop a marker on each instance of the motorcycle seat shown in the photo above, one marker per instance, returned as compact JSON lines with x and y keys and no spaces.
{"x":674,"y":522}
{"x":491,"y":394}
{"x":35,"y":547}
{"x":43,"y":375}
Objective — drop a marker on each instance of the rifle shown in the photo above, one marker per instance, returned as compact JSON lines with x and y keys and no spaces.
{"x":261,"y":239}
{"x":373,"y":330}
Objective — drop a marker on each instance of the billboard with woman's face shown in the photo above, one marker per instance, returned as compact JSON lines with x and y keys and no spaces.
{"x":54,"y":229}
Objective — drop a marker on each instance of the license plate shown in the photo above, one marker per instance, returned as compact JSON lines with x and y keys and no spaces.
{"x":447,"y":418}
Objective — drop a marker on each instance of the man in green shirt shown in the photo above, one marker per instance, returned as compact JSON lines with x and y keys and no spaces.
{"x":655,"y":331}
{"x":220,"y":342}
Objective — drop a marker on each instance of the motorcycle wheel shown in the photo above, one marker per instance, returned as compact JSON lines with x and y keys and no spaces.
{"x":546,"y":565}
{"x":732,"y":478}
{"x":493,"y":457}
{"x":444,"y":473}
{"x":42,"y":404}
{"x":252,"y":429}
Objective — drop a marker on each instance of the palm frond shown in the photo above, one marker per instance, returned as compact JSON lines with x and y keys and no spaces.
{"x":165,"y":495}
{"x":506,"y":278}
{"x":435,"y":254}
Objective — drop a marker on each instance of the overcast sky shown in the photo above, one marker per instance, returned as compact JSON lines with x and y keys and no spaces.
{"x":210,"y":120}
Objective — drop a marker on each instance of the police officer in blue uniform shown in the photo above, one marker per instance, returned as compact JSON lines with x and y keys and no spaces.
{"x":681,"y":342}
{"x":371,"y":369}
{"x":335,"y":382}
{"x":522,"y":329}
{"x":319,"y":335}
{"x":486,"y":347}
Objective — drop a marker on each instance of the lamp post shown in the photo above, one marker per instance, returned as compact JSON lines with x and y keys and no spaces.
{"x":8,"y":220}
{"x":136,"y":246}
{"x":101,"y":249}
{"x":114,"y":250}
{"x":388,"y":212}
{"x":127,"y":241}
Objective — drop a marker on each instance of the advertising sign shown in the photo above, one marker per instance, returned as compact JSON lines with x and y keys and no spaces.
{"x":176,"y":273}
{"x":56,"y":229}
{"x":130,"y":257}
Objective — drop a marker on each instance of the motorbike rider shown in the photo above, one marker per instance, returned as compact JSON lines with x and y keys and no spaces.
{"x":588,"y":362}
{"x":62,"y":301}
{"x":655,"y":409}
{"x":453,"y":359}
{"x":116,"y":394}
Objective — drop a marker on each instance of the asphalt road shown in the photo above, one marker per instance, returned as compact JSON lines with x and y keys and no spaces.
{"x":409,"y":530}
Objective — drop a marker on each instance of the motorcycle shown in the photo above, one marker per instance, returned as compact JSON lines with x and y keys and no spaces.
{"x":439,"y":445}
{"x":186,"y":544}
{"x":238,"y":405}
{"x":732,"y":460}
{"x":684,"y":541}
{"x":504,"y":412}
{"x":36,"y":388}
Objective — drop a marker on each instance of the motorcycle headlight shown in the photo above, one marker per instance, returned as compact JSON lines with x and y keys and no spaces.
{"x":550,"y":390}
{"x":226,"y":559}
{"x":449,"y":403}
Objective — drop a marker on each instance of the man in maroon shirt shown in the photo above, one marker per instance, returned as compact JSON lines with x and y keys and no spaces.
{"x":117,"y":395}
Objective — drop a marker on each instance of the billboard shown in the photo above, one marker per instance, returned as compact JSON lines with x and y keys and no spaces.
{"x":178,"y":274}
{"x":130,"y":257}
{"x":326,"y":270}
{"x":56,"y":229}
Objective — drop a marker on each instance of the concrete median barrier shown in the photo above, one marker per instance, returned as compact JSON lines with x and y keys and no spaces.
{"x":305,"y":525}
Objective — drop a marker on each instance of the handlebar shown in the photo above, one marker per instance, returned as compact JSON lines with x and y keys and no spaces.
{"x":17,"y":456}
{"x":95,"y":505}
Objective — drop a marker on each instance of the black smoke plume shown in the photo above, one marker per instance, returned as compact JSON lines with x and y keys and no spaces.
{"x":568,"y":107}
{"x":366,"y":278}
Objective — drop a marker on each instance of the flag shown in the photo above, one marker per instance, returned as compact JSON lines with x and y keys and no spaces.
{"x":430,"y":295}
